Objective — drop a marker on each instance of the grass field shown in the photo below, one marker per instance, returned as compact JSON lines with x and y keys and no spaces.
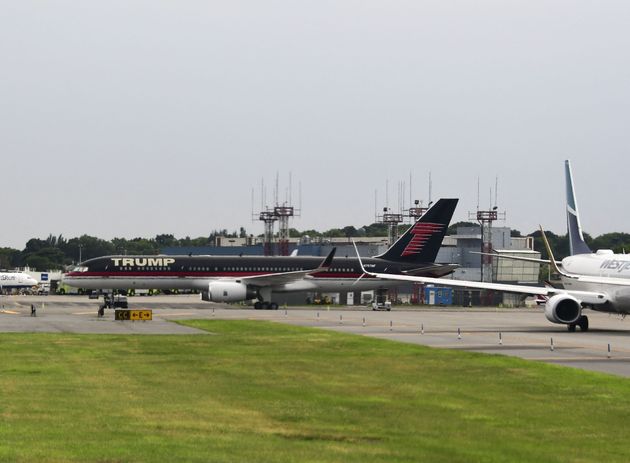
{"x":258,"y":392}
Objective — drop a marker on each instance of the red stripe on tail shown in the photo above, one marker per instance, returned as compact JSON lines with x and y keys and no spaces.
{"x":422,"y":232}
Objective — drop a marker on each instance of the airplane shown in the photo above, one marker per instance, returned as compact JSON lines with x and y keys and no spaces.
{"x":16,"y":280}
{"x":241,"y":278}
{"x":599,"y":281}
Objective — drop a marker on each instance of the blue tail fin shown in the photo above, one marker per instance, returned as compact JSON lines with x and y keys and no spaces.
{"x":422,"y":241}
{"x":577,"y":245}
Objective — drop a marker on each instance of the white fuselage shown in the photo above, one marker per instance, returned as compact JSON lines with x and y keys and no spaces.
{"x":602,"y":272}
{"x":191,"y":282}
{"x":16,"y":280}
{"x":600,"y":264}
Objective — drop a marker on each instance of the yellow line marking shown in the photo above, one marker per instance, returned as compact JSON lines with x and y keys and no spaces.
{"x":9,"y":312}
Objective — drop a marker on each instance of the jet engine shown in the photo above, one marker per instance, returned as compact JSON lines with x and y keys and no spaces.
{"x":227,"y":291}
{"x":563,"y":308}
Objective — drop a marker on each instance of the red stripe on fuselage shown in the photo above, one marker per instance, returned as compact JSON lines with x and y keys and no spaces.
{"x":90,"y":275}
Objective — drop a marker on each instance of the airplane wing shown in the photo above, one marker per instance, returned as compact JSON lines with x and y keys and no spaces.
{"x":501,"y":256}
{"x":273,"y":279}
{"x":588,"y":297}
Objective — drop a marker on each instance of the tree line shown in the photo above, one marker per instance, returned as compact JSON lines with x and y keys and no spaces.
{"x":57,"y":252}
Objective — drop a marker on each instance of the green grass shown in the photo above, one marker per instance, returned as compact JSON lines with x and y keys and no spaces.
{"x":257,"y":392}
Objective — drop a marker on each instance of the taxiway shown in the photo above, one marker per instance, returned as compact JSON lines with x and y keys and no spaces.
{"x":521,"y":333}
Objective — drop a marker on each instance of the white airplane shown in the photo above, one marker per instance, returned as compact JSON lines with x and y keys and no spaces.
{"x":599,"y":281}
{"x":12,"y":280}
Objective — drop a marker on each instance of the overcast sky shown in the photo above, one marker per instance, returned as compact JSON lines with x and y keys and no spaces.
{"x":133,"y":118}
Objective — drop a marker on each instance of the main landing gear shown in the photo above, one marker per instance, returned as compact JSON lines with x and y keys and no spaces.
{"x":264,"y":295}
{"x":582,"y":322}
{"x":262,"y":305}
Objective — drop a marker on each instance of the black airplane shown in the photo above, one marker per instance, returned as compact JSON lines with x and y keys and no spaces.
{"x":240,"y":278}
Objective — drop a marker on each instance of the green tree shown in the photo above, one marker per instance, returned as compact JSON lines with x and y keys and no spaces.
{"x":48,"y":258}
{"x":452,"y":230}
{"x":618,"y":242}
{"x":349,"y":231}
{"x":165,"y":241}
{"x":375,"y":229}
{"x":334,"y":233}
{"x":10,"y":258}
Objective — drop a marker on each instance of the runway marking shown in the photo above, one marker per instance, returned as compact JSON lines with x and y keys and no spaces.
{"x":577,"y":359}
{"x":92,"y":312}
{"x":177,"y":314}
{"x":10,"y":312}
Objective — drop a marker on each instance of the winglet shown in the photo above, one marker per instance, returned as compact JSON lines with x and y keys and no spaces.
{"x":552,"y":260}
{"x":365,"y":272}
{"x":360,"y":264}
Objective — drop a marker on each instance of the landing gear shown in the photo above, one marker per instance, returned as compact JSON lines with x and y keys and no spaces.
{"x":262,"y":305}
{"x":582,"y":322}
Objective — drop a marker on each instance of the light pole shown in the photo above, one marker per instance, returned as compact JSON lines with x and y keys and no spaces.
{"x":80,"y":247}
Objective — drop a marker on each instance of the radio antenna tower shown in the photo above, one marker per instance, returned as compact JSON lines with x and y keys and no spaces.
{"x":389,"y":218}
{"x":486,"y":218}
{"x":280,"y":213}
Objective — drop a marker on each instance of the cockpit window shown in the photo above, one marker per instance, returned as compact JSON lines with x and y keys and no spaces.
{"x":80,"y":269}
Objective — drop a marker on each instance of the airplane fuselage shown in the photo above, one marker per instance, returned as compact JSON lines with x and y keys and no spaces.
{"x":599,"y":264}
{"x":240,"y":278}
{"x":195,"y":272}
{"x":12,"y":280}
{"x":602,"y":272}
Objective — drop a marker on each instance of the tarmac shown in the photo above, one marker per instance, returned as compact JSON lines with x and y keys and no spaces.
{"x":521,"y":333}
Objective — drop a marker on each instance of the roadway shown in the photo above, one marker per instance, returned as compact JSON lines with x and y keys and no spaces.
{"x":522,"y":333}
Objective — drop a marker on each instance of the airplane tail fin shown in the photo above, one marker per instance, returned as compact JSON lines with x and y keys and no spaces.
{"x":422,"y":241}
{"x":577,"y":245}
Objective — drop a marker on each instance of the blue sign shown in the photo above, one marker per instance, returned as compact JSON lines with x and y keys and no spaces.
{"x":44,"y":277}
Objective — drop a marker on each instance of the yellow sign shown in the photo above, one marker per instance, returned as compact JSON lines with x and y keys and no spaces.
{"x":141,"y":314}
{"x":126,"y":314}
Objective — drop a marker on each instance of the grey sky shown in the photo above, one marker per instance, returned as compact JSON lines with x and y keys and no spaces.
{"x":132,"y":118}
